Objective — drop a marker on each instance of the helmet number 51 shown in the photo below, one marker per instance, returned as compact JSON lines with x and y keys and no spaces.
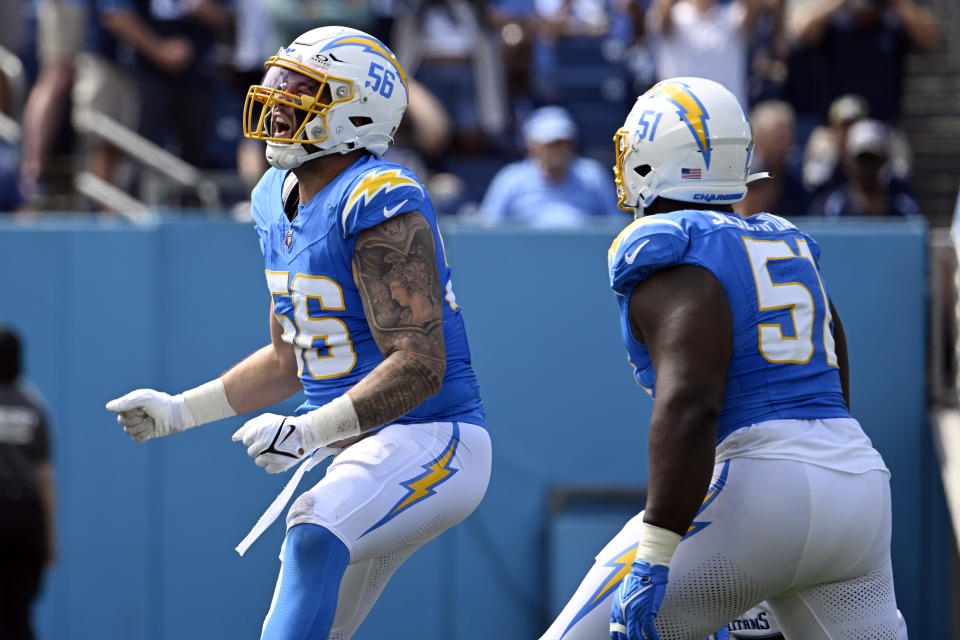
{"x":644,"y":125}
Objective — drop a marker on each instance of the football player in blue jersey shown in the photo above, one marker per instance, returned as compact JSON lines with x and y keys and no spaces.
{"x":364,"y":320}
{"x":762,"y":486}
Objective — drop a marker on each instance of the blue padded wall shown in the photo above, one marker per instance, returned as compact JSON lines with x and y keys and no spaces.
{"x":147,"y":530}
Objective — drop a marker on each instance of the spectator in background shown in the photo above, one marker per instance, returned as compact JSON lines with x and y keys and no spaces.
{"x":253,"y":44}
{"x":774,"y":125}
{"x":422,"y":139}
{"x":27,"y":496}
{"x":822,"y":158}
{"x":580,"y":48}
{"x":289,"y":16}
{"x":61,"y":29}
{"x":12,"y":29}
{"x":447,"y":46}
{"x":175,"y":67}
{"x":768,"y":53}
{"x":704,"y":38}
{"x":10,"y":199}
{"x":870,"y":189}
{"x":862,"y":45}
{"x":822,"y":169}
{"x":105,"y":86}
{"x":513,"y":22}
{"x":553,"y":187}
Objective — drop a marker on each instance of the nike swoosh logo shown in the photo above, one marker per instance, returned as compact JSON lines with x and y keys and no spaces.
{"x":272,"y":448}
{"x":289,"y":433}
{"x":630,"y":257}
{"x":389,"y":212}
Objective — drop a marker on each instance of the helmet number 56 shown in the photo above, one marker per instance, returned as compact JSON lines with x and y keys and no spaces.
{"x":380,"y":79}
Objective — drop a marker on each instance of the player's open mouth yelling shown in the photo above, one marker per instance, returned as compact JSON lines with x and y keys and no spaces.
{"x":281,"y":127}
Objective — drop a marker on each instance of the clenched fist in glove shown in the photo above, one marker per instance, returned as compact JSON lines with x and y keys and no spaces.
{"x":275,"y":442}
{"x":146,"y":413}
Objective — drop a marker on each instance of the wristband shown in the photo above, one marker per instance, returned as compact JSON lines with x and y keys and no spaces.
{"x":333,"y":421}
{"x":205,"y":403}
{"x":656,"y":544}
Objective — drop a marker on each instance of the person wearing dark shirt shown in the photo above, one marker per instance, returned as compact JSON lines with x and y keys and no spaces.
{"x":862,"y":45}
{"x":174,"y":67}
{"x":871,"y":189}
{"x":774,"y":127}
{"x":26,"y":495}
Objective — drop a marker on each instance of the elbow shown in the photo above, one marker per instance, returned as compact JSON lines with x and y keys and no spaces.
{"x":690,"y":418}
{"x":435,"y":377}
{"x":427,"y":370}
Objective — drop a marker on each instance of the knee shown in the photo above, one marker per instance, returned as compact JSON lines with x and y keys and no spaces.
{"x":312,"y":542}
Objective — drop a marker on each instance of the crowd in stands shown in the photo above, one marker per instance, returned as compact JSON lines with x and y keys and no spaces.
{"x":512,"y":108}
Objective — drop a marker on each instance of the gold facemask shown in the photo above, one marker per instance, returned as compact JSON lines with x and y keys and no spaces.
{"x":257,"y":125}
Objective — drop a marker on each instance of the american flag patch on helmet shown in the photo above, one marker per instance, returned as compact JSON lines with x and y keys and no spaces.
{"x":690,"y":174}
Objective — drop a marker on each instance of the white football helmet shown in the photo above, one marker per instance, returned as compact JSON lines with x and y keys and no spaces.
{"x":342,"y":88}
{"x":686,"y":139}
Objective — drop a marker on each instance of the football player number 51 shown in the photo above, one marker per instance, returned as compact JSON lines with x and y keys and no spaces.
{"x":795,"y":296}
{"x":303,"y":330}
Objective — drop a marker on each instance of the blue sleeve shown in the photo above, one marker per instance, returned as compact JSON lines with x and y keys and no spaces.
{"x":646,"y":246}
{"x":378,"y":194}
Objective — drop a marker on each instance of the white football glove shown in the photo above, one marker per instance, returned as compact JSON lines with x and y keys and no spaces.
{"x":274,"y":442}
{"x":146,"y":414}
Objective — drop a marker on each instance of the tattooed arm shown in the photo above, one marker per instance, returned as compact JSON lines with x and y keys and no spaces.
{"x":395,"y":268}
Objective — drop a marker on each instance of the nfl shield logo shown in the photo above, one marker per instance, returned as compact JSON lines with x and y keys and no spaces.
{"x":288,"y":240}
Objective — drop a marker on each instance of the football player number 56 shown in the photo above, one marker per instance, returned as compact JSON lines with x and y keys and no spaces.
{"x":303,"y":331}
{"x":795,"y":296}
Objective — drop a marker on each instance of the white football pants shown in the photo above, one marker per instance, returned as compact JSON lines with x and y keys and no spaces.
{"x":813,"y":542}
{"x":387,"y":495}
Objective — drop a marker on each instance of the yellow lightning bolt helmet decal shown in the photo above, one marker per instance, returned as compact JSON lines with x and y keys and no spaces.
{"x":374,"y":46}
{"x":421,"y":487}
{"x":374,"y":182}
{"x":690,"y":110}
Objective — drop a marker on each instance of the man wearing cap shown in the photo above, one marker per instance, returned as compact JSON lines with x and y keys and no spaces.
{"x":552,"y":187}
{"x":871,"y":189}
{"x":823,"y":156}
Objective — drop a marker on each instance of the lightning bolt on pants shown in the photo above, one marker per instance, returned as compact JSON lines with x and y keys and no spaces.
{"x":386,"y":496}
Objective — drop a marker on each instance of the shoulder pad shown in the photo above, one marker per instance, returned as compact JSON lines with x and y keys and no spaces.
{"x":644,"y":247}
{"x":377,"y":194}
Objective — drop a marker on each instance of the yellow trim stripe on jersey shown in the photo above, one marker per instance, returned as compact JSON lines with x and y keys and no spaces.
{"x":633,"y":225}
{"x":375,"y":182}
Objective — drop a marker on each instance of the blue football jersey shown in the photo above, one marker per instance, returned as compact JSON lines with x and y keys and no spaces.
{"x":315,"y":300}
{"x":784,"y":363}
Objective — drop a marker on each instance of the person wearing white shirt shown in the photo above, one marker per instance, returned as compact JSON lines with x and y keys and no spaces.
{"x":705,"y":39}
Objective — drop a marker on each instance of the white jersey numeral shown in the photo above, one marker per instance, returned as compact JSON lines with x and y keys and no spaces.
{"x":304,"y":330}
{"x":795,"y":296}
